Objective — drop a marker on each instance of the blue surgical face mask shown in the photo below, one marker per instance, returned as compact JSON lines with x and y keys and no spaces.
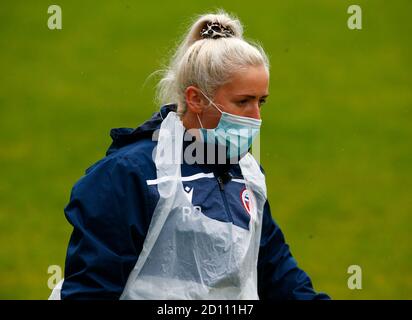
{"x":235,"y":132}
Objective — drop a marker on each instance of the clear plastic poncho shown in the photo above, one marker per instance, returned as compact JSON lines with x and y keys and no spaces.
{"x":194,"y":256}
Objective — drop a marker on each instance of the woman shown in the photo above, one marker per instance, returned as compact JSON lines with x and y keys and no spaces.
{"x":178,"y":207}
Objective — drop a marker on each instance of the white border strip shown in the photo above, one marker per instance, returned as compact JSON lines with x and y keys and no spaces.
{"x":188,"y":178}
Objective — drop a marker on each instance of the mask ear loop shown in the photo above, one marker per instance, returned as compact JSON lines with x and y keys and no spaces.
{"x":199,"y":121}
{"x":211,"y":102}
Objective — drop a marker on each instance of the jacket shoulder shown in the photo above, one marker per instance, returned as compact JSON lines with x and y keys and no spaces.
{"x":137,"y":155}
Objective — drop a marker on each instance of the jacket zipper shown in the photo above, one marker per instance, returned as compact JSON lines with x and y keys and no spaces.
{"x":222,"y":192}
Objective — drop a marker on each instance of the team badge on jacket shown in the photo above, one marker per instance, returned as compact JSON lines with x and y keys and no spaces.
{"x":245,"y":198}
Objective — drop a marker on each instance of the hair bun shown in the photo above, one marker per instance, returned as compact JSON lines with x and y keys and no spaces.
{"x":215,"y":30}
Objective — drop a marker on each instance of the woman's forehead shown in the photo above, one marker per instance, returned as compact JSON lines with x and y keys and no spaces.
{"x":252,"y":81}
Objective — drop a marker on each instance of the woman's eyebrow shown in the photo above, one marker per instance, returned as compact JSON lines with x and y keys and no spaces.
{"x":250,"y":96}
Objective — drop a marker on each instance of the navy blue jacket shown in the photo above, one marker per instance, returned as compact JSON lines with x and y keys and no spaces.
{"x":110,"y":210}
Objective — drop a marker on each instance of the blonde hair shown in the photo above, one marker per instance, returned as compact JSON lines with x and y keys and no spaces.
{"x":205,"y":62}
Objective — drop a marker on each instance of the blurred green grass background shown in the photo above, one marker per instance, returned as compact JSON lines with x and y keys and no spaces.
{"x":336,"y":134}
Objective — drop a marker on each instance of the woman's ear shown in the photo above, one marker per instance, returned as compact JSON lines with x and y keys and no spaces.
{"x":194,"y":100}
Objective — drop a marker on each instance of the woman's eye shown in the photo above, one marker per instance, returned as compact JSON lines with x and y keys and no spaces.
{"x":242,"y":102}
{"x":245,"y":101}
